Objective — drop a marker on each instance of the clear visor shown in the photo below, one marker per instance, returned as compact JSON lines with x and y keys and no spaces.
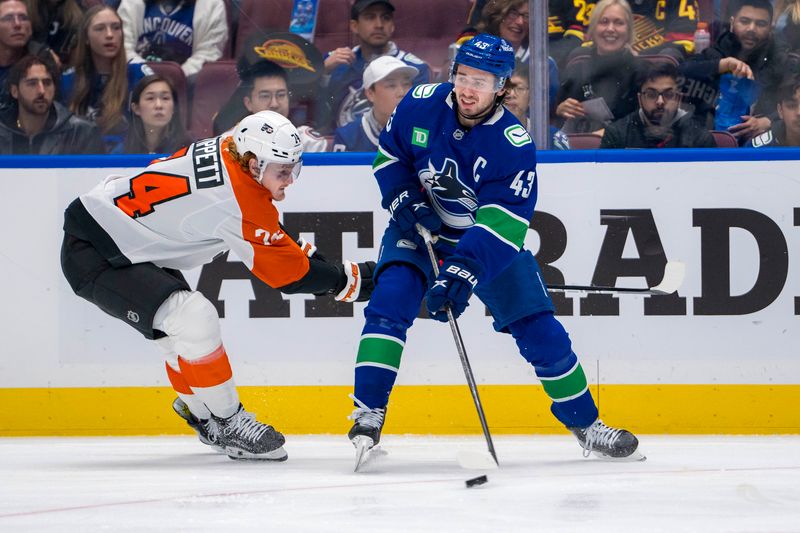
{"x":483,"y":82}
{"x":282,"y":172}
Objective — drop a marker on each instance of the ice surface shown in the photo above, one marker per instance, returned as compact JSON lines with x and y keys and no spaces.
{"x":706,"y":483}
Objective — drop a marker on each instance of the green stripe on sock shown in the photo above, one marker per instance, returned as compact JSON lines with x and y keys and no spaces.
{"x":380,"y":350}
{"x":504,"y":224}
{"x":565,"y":386}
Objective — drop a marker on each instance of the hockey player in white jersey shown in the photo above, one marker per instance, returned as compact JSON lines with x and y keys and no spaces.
{"x":126,"y":239}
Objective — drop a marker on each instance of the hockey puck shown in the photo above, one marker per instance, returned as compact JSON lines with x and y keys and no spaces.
{"x":474,"y":482}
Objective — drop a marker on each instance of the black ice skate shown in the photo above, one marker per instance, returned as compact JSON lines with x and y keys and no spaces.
{"x":207,"y":430}
{"x":244,"y":437}
{"x":366,"y":432}
{"x":607,"y":442}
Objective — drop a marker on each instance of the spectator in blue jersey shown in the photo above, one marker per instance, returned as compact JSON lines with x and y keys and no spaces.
{"x":188,"y":32}
{"x":659,"y":122}
{"x":15,"y":41}
{"x":372,"y":21}
{"x":38,"y":125}
{"x":386,"y":82}
{"x":99,"y":83}
{"x":785,"y":130}
{"x":156,"y":122}
{"x":599,"y":82}
{"x":456,"y":163}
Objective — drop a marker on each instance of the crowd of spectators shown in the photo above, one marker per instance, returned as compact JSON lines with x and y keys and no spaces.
{"x":94,"y":76}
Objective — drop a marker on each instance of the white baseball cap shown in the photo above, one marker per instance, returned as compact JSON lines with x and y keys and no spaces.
{"x":382,"y":66}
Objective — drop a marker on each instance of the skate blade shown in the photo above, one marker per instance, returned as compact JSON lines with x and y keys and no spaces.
{"x":278,"y":454}
{"x":373,"y":457}
{"x":475,"y":460}
{"x":632,"y":458}
{"x":363,"y":445}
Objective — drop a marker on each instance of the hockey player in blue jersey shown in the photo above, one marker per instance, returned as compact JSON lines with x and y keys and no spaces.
{"x":454,"y":161}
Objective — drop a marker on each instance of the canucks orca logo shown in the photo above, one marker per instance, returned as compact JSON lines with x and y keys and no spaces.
{"x":453,"y":201}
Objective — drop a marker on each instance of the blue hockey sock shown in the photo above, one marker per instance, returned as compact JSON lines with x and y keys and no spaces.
{"x":544,"y":343}
{"x":392,"y":309}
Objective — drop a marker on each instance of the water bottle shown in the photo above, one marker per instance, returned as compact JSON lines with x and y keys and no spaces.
{"x":702,"y":39}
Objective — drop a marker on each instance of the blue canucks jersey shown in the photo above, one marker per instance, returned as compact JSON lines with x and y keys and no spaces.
{"x":481,"y":181}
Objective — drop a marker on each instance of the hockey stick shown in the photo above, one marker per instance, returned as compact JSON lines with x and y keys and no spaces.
{"x":466,"y":460}
{"x":674,"y":272}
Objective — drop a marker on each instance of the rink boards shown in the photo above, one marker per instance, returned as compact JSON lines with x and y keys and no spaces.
{"x":721,"y":356}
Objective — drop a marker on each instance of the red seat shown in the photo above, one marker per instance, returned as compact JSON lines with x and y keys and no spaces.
{"x":584,"y":141}
{"x":333,"y":26}
{"x":261,"y":15}
{"x":426,"y":31}
{"x":216,"y":83}
{"x":229,"y":42}
{"x":332,"y":29}
{"x":174,"y":73}
{"x":724,"y":139}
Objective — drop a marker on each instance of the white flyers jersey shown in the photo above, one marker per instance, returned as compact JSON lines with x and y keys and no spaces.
{"x":183,"y":210}
{"x":311,"y":140}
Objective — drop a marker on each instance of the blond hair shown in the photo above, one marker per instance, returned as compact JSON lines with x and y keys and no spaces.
{"x":792,"y":6}
{"x":601,"y":7}
{"x":242,"y":160}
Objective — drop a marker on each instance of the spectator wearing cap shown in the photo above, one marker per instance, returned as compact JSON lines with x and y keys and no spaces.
{"x":188,"y":32}
{"x":264,"y":86}
{"x":386,"y":81}
{"x":36,"y":123}
{"x":372,"y":21}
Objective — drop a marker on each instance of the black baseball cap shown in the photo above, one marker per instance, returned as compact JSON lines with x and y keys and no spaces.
{"x":361,"y":5}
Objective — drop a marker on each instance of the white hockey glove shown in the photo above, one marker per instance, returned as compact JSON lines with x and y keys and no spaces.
{"x":359,"y":285}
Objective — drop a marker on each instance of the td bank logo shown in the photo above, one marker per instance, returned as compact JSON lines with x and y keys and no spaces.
{"x":419,"y":137}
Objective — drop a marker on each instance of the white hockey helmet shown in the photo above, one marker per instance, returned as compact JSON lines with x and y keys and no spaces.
{"x":271,"y":137}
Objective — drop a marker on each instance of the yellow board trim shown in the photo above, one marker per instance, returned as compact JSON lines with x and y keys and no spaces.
{"x":441,"y":409}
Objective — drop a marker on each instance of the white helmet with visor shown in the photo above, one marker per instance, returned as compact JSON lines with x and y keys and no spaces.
{"x":272,"y":138}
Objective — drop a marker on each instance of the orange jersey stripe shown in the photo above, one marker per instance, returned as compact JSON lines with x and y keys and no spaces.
{"x":180,"y":153}
{"x":208,"y":371}
{"x":277,"y":259}
{"x":177,"y":381}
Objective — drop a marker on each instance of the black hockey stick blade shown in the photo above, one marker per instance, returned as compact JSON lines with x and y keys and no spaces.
{"x":674,"y":272}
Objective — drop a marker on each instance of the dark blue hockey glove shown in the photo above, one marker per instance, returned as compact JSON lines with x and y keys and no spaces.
{"x":410,"y":208}
{"x":452,"y":288}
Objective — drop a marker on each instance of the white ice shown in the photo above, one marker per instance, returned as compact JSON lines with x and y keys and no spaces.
{"x":705,"y":483}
